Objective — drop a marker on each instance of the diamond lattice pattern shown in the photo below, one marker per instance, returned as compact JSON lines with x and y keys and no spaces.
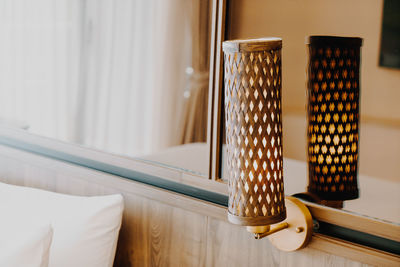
{"x":254,"y":133}
{"x":333,"y":113}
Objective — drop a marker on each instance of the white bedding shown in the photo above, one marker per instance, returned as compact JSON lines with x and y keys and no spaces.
{"x":85,"y":228}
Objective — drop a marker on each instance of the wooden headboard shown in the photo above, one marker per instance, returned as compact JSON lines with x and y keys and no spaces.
{"x":162,"y":228}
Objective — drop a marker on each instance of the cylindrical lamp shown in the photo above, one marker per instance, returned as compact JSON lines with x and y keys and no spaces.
{"x":254,"y":131}
{"x":333,"y":116}
{"x":254,"y":141}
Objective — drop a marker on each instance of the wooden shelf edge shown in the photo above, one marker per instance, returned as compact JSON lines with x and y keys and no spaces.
{"x":352,"y":251}
{"x":72,"y":150}
{"x":355,"y":222}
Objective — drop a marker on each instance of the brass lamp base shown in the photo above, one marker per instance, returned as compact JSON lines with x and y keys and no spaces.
{"x":293,"y":233}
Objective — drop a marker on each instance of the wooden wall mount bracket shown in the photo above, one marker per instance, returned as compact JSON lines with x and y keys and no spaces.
{"x":293,"y":233}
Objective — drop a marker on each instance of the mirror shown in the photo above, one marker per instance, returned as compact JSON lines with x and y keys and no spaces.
{"x":379,"y":146}
{"x":124,"y":77}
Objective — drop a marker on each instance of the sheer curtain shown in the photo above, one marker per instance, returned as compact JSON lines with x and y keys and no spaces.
{"x":134,"y":62}
{"x":195,"y":117}
{"x":102,"y":73}
{"x":39,"y":64}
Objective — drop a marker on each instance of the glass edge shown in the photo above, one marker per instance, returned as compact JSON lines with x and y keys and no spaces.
{"x":130,"y":174}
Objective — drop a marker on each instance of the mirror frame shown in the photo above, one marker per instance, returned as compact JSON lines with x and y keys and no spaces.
{"x":210,"y":189}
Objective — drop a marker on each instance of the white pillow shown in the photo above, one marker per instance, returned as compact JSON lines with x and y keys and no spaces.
{"x":85,"y":228}
{"x":24,"y":243}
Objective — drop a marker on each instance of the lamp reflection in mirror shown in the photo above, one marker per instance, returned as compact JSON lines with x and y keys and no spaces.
{"x":254,"y":142}
{"x":333,"y":117}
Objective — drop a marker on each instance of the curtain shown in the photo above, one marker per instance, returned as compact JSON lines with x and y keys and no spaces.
{"x":195,"y":116}
{"x":39,"y":64}
{"x":107,"y":74}
{"x":134,"y":61}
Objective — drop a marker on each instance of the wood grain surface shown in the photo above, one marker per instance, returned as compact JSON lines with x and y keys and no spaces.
{"x":161,"y":228}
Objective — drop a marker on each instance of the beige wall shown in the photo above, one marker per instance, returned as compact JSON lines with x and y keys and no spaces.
{"x":293,"y":21}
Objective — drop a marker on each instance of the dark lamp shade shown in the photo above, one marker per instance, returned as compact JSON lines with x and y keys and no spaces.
{"x":333,"y":116}
{"x":254,"y":131}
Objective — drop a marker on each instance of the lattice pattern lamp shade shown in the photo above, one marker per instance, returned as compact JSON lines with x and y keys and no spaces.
{"x":254,"y":131}
{"x":333,"y":116}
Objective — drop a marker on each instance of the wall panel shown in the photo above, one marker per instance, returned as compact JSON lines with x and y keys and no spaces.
{"x":161,"y":228}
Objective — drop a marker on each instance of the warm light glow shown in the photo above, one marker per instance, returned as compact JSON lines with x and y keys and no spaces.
{"x":333,"y":96}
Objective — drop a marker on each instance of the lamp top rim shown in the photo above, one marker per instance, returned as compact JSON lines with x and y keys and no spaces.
{"x":252,"y":45}
{"x":327,"y":40}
